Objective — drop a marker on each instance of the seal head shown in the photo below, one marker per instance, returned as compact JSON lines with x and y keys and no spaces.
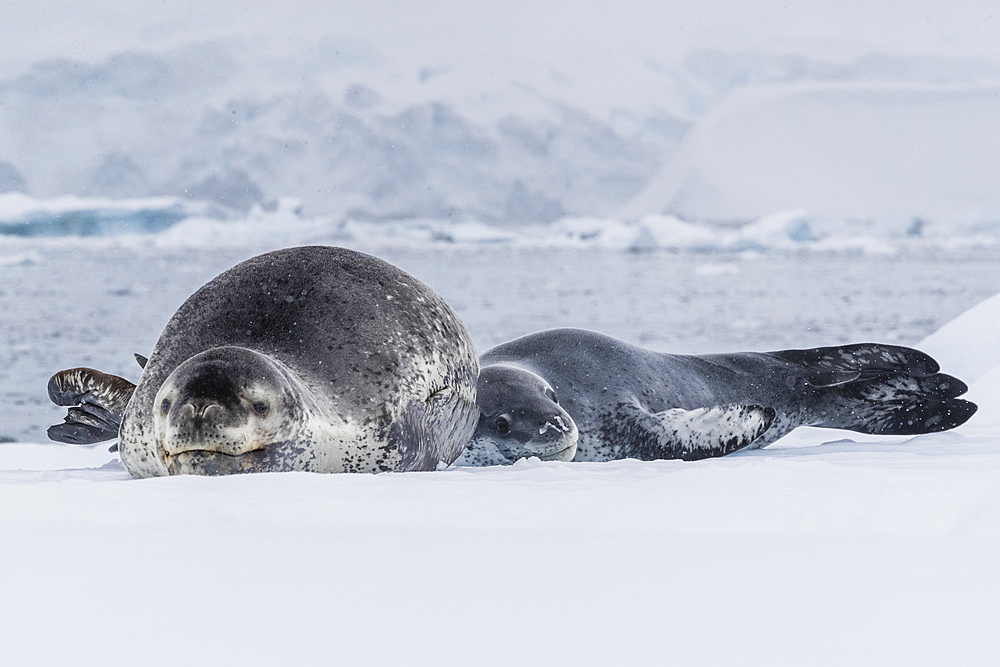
{"x":228,"y":410}
{"x":519,"y":417}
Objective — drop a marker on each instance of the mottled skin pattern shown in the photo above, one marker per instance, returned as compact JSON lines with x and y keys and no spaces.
{"x":363,"y":369}
{"x":629,"y":402}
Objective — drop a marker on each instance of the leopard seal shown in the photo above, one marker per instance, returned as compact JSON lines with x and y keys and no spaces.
{"x":313,"y":358}
{"x":572,"y":394}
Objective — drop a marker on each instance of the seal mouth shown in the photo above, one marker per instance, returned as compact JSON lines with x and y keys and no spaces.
{"x":564,"y":454}
{"x":213,"y":462}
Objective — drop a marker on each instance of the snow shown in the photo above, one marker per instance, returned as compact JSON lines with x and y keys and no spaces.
{"x":964,"y":344}
{"x":827,"y":547}
{"x":21,"y":215}
{"x":173,"y":223}
{"x":782,"y":553}
{"x":843,"y":151}
{"x":512,"y":114}
{"x":693,"y":176}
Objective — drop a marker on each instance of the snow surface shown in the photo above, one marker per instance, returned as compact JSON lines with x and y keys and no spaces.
{"x":554,"y":164}
{"x":825,"y":548}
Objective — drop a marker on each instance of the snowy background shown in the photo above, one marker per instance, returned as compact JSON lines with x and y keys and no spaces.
{"x":694,"y":176}
{"x":879,"y":115}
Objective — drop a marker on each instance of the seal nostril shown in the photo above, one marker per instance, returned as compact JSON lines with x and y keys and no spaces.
{"x":165,"y":406}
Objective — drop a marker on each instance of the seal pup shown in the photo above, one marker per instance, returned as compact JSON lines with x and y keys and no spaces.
{"x":313,"y":358}
{"x":629,"y":402}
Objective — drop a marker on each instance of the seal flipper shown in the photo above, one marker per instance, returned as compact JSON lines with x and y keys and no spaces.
{"x":898,"y":405}
{"x":97,"y":401}
{"x":141,"y":360}
{"x":74,"y":433}
{"x":685,"y":434}
{"x":878,"y":389}
{"x":829,"y":366}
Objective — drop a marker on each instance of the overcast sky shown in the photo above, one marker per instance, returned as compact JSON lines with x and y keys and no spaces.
{"x":561,"y":32}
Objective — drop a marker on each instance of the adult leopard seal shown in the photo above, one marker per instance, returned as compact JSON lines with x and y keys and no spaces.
{"x":312,"y":358}
{"x":571,"y":394}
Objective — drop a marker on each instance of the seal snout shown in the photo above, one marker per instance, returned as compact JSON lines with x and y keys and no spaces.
{"x":549,"y":435}
{"x":557,"y":439}
{"x":202,"y":410}
{"x":202,"y":416}
{"x":225,"y":403}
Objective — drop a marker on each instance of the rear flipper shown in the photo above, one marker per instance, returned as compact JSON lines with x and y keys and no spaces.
{"x":829,"y":366}
{"x":98,"y":403}
{"x":879,"y":389}
{"x":685,"y":434}
{"x":898,"y":405}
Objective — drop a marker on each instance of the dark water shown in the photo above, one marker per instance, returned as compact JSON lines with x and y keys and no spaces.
{"x":65,"y":306}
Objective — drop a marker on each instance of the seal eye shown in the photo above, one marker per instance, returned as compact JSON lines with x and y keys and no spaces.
{"x":260,"y":407}
{"x":165,"y":406}
{"x":502,"y":425}
{"x":552,"y":395}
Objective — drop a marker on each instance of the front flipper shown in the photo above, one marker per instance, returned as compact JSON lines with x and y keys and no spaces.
{"x":85,"y":425}
{"x":687,"y":434}
{"x":97,"y":401}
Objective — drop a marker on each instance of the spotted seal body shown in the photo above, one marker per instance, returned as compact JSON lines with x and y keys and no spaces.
{"x":630,"y":402}
{"x":313,"y":358}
